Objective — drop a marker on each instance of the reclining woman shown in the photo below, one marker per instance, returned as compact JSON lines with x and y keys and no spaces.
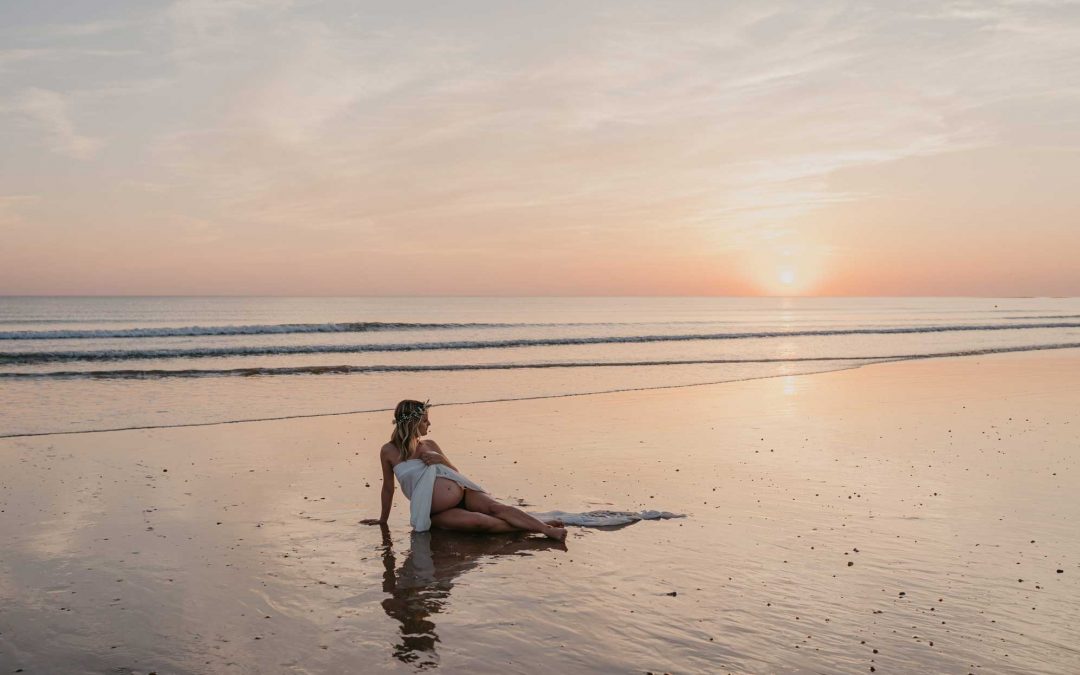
{"x":440,"y":496}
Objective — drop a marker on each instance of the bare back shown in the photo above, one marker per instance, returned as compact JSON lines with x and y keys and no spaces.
{"x":390,"y":453}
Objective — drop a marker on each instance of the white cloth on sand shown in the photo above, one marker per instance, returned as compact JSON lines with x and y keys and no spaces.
{"x":418,"y":483}
{"x":604,"y":518}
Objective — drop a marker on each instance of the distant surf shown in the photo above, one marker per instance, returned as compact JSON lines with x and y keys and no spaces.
{"x":71,"y":363}
{"x":287,"y":329}
{"x":134,"y":374}
{"x":36,"y":357}
{"x":263,"y":329}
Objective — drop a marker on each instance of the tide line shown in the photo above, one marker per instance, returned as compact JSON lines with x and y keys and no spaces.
{"x":441,"y":405}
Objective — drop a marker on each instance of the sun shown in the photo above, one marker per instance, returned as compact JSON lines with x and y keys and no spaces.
{"x":786,"y":268}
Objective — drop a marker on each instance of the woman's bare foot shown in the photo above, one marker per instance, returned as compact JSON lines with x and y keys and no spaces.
{"x":556,"y":533}
{"x":554,"y":522}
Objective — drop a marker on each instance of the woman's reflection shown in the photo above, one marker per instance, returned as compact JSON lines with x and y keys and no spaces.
{"x":421,"y":587}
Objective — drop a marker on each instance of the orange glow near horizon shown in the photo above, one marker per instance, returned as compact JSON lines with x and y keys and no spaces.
{"x":785,"y":266}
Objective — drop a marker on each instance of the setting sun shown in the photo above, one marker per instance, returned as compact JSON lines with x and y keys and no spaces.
{"x":788,"y":265}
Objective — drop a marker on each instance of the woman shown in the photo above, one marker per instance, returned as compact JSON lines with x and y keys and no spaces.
{"x":440,"y":496}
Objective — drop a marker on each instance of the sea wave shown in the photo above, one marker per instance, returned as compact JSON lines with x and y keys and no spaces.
{"x":331,"y":327}
{"x":351,"y":369}
{"x":32,"y":357}
{"x":259,"y":329}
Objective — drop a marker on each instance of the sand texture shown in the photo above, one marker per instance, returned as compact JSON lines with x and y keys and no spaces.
{"x":905,"y":517}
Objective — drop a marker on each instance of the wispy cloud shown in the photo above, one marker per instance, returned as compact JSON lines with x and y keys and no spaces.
{"x":205,"y":28}
{"x":11,"y":206}
{"x":85,"y":28}
{"x":12,"y":57}
{"x":49,"y":110}
{"x":700,"y":128}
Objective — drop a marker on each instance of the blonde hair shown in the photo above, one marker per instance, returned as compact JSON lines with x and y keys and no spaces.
{"x":407,"y":416}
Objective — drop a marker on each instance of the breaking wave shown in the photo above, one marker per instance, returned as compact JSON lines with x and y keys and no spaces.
{"x":28,"y":358}
{"x":348,"y":369}
{"x":265,"y":329}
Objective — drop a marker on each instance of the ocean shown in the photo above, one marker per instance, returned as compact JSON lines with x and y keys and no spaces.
{"x":72,"y":364}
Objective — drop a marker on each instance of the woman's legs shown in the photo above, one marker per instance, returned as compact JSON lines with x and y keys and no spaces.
{"x":482,"y":503}
{"x":470,"y":521}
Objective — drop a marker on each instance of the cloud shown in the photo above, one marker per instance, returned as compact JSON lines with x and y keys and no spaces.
{"x":732,"y":123}
{"x":10,"y":207}
{"x":601,"y":126}
{"x":204,"y":28}
{"x":13,"y":57}
{"x":321,"y":78}
{"x":10,"y":59}
{"x":49,"y":109}
{"x":85,"y":29}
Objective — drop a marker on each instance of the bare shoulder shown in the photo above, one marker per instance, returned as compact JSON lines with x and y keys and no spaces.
{"x":388,"y":451}
{"x":432,"y":445}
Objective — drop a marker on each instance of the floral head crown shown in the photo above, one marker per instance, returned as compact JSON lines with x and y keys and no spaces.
{"x":413,"y":415}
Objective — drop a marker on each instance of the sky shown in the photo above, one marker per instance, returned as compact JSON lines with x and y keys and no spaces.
{"x":277,"y":147}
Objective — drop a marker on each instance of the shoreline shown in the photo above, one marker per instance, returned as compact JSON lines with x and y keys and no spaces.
{"x":874,"y":361}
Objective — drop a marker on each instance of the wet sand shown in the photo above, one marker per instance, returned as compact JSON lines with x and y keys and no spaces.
{"x":917,"y":516}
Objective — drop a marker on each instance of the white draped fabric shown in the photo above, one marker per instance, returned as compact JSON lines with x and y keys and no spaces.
{"x":418,"y":482}
{"x":605,"y":518}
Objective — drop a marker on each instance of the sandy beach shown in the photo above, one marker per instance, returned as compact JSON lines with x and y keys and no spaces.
{"x":904,"y":517}
{"x":790,"y":288}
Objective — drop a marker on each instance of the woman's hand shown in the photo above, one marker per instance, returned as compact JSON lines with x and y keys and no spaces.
{"x":430,"y":457}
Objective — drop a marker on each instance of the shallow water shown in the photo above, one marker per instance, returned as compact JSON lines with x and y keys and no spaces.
{"x":236,"y":548}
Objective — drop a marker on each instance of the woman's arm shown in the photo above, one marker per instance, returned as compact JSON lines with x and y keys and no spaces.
{"x":435,"y":455}
{"x":387,"y":493}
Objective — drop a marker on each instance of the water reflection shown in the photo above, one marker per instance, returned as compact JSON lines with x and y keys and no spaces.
{"x":420,"y":588}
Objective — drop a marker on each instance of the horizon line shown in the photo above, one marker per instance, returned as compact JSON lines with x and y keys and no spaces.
{"x":583,"y":296}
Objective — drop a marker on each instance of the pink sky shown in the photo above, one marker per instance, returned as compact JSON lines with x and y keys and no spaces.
{"x":270,"y":147}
